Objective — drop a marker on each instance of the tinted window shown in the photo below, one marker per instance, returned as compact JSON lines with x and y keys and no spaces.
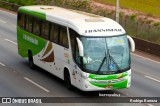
{"x":54,"y":32}
{"x":63,"y":36}
{"x":45,"y":30}
{"x":74,"y":45}
{"x":36,"y":26}
{"x":29,"y":23}
{"x":21,"y":20}
{"x":72,"y":39}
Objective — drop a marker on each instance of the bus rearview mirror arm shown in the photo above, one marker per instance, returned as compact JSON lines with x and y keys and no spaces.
{"x":132,"y":43}
{"x":80,"y":47}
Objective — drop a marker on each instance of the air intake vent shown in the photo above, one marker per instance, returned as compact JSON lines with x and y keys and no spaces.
{"x":94,"y":20}
{"x":46,"y":8}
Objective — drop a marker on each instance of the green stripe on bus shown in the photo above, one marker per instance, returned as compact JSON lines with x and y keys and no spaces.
{"x":107,"y":77}
{"x":28,"y":41}
{"x":39,"y":15}
{"x":122,"y":84}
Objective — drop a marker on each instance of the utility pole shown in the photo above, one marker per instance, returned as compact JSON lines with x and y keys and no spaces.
{"x":117,"y":11}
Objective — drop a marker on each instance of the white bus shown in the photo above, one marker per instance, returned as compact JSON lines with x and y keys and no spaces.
{"x":87,"y":51}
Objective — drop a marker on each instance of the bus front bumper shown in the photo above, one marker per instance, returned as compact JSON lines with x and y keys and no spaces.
{"x":107,"y":82}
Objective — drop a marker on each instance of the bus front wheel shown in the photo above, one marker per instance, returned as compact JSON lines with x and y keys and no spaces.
{"x":67,"y":79}
{"x":30,"y":60}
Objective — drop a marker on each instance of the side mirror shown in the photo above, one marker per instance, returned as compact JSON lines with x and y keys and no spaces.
{"x":80,"y":47}
{"x":132,"y":43}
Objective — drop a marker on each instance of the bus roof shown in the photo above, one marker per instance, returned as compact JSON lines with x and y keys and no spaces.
{"x":85,"y":24}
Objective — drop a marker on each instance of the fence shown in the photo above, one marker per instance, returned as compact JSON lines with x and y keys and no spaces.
{"x":141,"y":32}
{"x":141,"y":29}
{"x":146,"y":36}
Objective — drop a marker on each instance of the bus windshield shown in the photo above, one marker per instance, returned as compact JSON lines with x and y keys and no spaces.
{"x":106,"y":55}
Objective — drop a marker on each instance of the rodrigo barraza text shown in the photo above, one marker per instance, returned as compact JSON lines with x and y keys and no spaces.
{"x":143,"y":100}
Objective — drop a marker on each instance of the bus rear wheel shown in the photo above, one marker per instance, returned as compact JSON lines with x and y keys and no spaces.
{"x":67,"y":80}
{"x":30,"y":60}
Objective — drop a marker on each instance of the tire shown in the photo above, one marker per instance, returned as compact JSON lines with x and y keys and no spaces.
{"x":67,"y":80}
{"x":30,"y":60}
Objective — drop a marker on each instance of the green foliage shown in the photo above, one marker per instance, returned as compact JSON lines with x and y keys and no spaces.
{"x":149,"y":15}
{"x":22,"y":2}
{"x":7,"y":7}
{"x":157,"y":24}
{"x":77,"y":4}
{"x":58,"y":2}
{"x":150,"y":7}
{"x":121,"y":14}
{"x":148,"y":22}
{"x":133,"y":17}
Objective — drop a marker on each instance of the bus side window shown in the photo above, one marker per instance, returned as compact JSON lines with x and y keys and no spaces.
{"x":36,"y":26}
{"x":63,"y":37}
{"x":54,"y":31}
{"x":21,"y":20}
{"x":74,"y":45}
{"x":29,"y":23}
{"x":77,"y":54}
{"x":44,"y":29}
{"x":72,"y":39}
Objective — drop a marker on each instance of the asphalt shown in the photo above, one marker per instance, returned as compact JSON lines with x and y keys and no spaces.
{"x":18,"y":80}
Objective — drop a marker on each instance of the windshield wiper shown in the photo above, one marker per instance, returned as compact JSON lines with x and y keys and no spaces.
{"x":111,"y":58}
{"x":108,"y":59}
{"x":105,"y":57}
{"x":101,"y":64}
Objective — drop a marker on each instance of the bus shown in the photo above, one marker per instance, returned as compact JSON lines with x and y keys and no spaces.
{"x":87,"y":51}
